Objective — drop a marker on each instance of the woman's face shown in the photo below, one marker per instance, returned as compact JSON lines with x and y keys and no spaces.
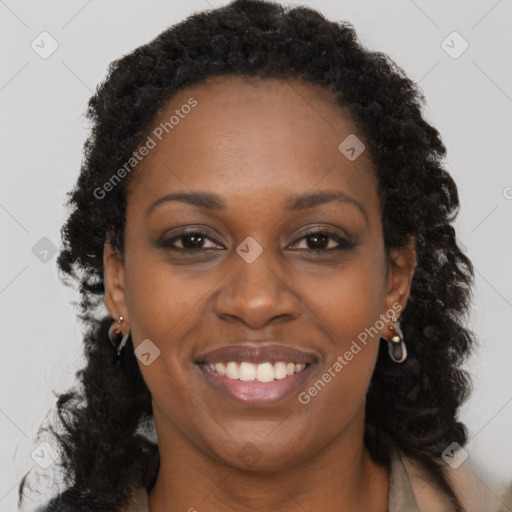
{"x":250,"y":160}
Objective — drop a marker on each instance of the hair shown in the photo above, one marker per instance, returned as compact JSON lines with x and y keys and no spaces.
{"x":411,"y":408}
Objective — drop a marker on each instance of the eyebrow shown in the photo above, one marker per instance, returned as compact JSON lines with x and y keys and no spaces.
{"x":294,"y":202}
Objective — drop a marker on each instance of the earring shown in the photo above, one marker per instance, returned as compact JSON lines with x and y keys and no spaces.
{"x":113,"y":334}
{"x":396,"y":346}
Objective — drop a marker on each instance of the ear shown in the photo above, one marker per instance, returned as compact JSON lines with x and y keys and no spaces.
{"x":113,"y":276}
{"x":401,"y":266}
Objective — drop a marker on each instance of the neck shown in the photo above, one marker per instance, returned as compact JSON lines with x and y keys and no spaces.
{"x":340,"y":477}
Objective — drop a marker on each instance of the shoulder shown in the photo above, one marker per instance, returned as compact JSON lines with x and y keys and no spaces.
{"x":467,"y":481}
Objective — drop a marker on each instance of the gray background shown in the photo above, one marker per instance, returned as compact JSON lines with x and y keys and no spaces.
{"x":468,"y":98}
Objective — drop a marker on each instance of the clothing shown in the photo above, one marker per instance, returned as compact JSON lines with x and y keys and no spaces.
{"x":400,"y":495}
{"x":410,"y":490}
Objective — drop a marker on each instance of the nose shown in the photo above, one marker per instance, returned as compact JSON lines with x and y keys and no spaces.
{"x":257,"y":294}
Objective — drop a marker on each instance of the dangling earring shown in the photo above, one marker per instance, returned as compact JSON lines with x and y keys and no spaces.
{"x":396,"y":346}
{"x":115,"y":330}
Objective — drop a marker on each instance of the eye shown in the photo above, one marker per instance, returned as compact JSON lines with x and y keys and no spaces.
{"x":189,"y":240}
{"x":317,"y":241}
{"x":322,"y":241}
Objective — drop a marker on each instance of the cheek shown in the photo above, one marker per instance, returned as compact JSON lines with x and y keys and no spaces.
{"x":346,"y":300}
{"x":164,"y":307}
{"x":161,"y":299}
{"x":347,"y":306}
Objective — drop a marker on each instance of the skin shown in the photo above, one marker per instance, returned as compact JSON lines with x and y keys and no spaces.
{"x":255,"y":142}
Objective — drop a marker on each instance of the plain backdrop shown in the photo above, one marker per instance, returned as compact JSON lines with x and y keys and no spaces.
{"x":42,"y":102}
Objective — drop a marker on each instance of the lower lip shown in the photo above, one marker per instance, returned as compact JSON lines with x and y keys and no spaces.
{"x":255,"y":392}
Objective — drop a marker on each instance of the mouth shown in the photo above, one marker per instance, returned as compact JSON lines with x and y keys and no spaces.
{"x":256,"y":375}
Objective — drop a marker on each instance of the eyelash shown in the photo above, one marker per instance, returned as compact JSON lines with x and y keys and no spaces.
{"x":344,"y":243}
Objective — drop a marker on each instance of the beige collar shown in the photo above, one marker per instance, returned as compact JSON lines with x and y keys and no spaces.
{"x":400,"y":495}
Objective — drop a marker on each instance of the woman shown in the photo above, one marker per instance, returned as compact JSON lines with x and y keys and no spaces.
{"x":264,"y":213}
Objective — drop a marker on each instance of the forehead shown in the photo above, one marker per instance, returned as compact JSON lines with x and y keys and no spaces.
{"x":251,"y":135}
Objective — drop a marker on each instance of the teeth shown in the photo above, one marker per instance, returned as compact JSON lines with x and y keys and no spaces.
{"x":220,"y":368}
{"x":280,"y":370}
{"x":247,"y":371}
{"x":264,"y":372}
{"x":232,"y":370}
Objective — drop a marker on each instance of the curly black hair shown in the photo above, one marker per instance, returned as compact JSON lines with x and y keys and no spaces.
{"x":411,"y":408}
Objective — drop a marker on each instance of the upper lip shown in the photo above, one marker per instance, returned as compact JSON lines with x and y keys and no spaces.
{"x":256,"y":354}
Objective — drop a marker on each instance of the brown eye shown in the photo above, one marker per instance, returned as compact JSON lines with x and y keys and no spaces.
{"x":322,"y":241}
{"x":190,"y":240}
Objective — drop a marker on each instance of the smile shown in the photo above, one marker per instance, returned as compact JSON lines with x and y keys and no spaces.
{"x":256,"y":374}
{"x":252,"y":385}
